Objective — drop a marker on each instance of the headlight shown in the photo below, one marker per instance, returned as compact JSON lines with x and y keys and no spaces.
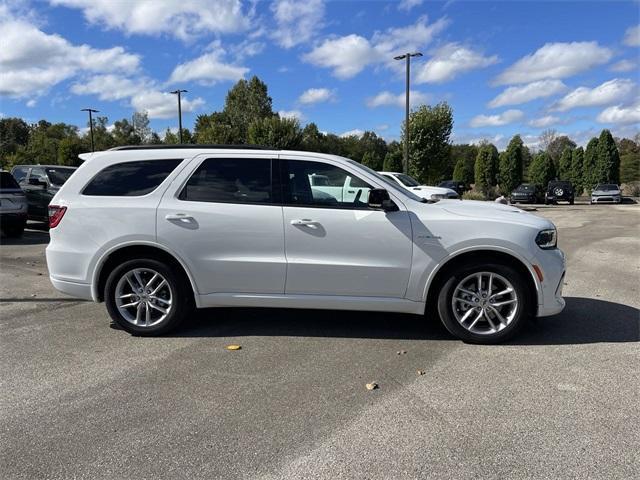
{"x":437,"y":196}
{"x":547,"y":238}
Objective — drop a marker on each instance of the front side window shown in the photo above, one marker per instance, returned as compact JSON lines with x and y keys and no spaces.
{"x":230,"y":180}
{"x":130,"y":179}
{"x":338,"y":189}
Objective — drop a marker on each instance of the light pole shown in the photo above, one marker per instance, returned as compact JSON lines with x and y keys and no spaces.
{"x":407,"y":57}
{"x":179,"y":93}
{"x":91,"y":111}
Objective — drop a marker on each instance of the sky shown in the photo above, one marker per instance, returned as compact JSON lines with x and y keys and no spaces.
{"x":505,"y":67}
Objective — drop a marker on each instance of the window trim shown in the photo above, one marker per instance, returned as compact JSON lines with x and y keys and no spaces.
{"x":138,"y":160}
{"x":276,"y":193}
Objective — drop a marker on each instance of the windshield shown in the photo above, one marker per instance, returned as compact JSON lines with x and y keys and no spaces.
{"x":57,"y":176}
{"x":525,"y":188}
{"x":7,"y":181}
{"x":406,"y":180}
{"x":386,"y":181}
{"x":607,"y":187}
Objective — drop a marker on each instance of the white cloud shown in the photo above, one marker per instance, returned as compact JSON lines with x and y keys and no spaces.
{"x":407,"y":5}
{"x":625,"y":65}
{"x":545,"y":121}
{"x":632,"y":36}
{"x":316,"y":95}
{"x":297,"y":22}
{"x":555,"y":60}
{"x":451,"y":60}
{"x":37,"y":61}
{"x":356,"y":132}
{"x":162,"y":105}
{"x":620,"y":114}
{"x":349,"y":55}
{"x":609,"y":92}
{"x":183,"y":19}
{"x":208,"y":69}
{"x":387,"y":98}
{"x":297,"y":114}
{"x":31,"y":103}
{"x":108,"y":87}
{"x":527,"y":93}
{"x":504,"y":118}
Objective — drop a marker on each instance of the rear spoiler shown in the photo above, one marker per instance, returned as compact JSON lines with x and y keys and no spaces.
{"x":85,"y":156}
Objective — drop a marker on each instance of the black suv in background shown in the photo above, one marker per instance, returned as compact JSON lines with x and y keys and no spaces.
{"x":559,"y":190}
{"x":526,"y":193}
{"x":40,"y":183}
{"x":458,"y":187}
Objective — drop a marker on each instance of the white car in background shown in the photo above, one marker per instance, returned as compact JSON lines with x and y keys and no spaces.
{"x":154,"y":231}
{"x":423,"y":191}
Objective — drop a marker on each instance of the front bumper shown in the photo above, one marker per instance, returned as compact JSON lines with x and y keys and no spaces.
{"x":606,"y":199}
{"x":552,"y":264}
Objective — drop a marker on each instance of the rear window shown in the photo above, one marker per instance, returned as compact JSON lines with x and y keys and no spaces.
{"x":19,"y":173}
{"x":130,"y":179}
{"x":7,"y":181}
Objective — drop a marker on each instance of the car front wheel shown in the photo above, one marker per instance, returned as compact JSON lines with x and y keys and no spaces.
{"x":484,"y":303}
{"x":146,"y":297}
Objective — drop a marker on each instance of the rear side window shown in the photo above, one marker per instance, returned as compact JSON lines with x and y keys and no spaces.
{"x":230,"y":180}
{"x":130,"y":179}
{"x":7,"y":181}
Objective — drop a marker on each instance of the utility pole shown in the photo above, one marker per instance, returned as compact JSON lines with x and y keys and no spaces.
{"x":91,"y":111}
{"x":179,"y":93}
{"x":407,"y":57}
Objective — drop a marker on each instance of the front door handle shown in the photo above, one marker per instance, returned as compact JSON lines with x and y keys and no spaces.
{"x":303,"y":222}
{"x":181,"y":217}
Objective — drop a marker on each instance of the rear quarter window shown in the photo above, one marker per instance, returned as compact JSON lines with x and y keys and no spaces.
{"x":130,"y":179}
{"x":7,"y":181}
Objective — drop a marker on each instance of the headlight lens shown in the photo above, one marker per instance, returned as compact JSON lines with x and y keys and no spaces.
{"x":547,"y":238}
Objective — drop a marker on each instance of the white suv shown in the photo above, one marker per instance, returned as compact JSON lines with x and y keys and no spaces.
{"x":154,"y":231}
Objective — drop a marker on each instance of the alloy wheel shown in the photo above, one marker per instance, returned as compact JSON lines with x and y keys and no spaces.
{"x":143,"y":297}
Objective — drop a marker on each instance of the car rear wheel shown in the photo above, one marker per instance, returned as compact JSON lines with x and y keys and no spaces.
{"x":484,"y":303}
{"x":146,"y":297}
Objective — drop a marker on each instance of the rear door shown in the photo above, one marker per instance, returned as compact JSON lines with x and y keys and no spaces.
{"x":341,"y":247}
{"x":223,"y":218}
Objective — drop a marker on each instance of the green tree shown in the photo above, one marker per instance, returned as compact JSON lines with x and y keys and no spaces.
{"x":124,"y":133}
{"x":372,"y":160}
{"x":558,"y":145}
{"x":608,"y":162}
{"x":140,"y":121}
{"x":463,"y":171}
{"x":430,"y":129}
{"x":68,"y":150}
{"x":511,"y":166}
{"x":466,"y":152}
{"x":629,"y":160}
{"x":577,"y":157}
{"x":275,"y":132}
{"x":564,"y":165}
{"x":542,"y":170}
{"x":170,"y":138}
{"x":486,"y":168}
{"x":312,"y":139}
{"x":589,"y":165}
{"x":14,"y":133}
{"x":392,"y":161}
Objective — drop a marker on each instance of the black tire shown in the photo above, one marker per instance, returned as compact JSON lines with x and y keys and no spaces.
{"x":445,"y":308}
{"x":571,"y":201}
{"x":14,"y":231}
{"x":181,"y":293}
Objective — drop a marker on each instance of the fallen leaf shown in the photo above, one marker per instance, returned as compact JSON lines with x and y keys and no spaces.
{"x":371,"y":386}
{"x":233,"y":347}
{"x":421,"y":372}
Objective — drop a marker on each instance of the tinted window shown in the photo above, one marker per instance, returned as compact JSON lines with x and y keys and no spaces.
{"x":342,"y":189}
{"x":130,"y":179}
{"x":407,"y":181}
{"x":57,"y":176}
{"x":19,"y":173}
{"x":228,"y":180}
{"x":7,"y":181}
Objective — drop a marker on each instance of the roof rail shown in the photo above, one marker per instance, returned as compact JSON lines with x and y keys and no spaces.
{"x":190,"y":146}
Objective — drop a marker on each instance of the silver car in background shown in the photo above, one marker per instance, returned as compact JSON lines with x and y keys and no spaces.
{"x":606,"y":193}
{"x":13,"y":206}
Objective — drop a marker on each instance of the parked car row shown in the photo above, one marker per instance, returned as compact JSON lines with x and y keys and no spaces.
{"x":558,"y":190}
{"x":26,"y":192}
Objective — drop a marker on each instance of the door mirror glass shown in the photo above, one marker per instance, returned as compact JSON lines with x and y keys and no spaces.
{"x":379,"y":199}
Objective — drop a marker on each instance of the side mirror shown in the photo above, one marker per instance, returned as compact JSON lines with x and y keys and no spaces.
{"x":380,"y":200}
{"x":37,"y":182}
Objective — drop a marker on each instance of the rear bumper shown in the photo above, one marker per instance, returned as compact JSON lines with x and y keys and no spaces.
{"x":77,"y":290}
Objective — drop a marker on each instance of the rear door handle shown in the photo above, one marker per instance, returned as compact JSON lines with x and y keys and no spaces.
{"x":182,"y":217}
{"x":303,"y":222}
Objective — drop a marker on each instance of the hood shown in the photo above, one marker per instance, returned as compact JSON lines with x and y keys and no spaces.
{"x":492,"y":211}
{"x":606,"y":192}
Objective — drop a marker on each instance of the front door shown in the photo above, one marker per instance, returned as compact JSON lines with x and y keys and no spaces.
{"x":220,"y":216}
{"x":335,"y":244}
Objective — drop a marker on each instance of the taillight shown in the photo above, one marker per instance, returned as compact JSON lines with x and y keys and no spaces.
{"x":56,"y":213}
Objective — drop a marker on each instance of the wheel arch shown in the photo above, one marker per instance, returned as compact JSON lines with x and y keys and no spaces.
{"x":126,"y":252}
{"x":497,"y":255}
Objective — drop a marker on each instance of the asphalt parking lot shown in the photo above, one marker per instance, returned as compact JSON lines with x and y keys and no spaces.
{"x":82,"y":400}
